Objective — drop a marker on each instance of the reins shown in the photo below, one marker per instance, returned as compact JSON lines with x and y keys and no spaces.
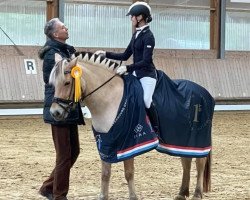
{"x":98,"y":87}
{"x":71,"y":103}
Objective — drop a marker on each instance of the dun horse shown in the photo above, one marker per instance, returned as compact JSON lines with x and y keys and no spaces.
{"x":92,"y":79}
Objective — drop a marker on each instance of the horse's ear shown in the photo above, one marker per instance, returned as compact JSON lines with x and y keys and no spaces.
{"x":73,"y":62}
{"x":58,"y":57}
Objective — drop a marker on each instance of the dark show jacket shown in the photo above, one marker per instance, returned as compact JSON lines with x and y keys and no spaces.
{"x":142,"y":50}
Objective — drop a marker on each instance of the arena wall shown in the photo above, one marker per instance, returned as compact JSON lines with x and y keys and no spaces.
{"x":226,"y":79}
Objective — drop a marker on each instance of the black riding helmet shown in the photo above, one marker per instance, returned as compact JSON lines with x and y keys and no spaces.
{"x":140,"y":8}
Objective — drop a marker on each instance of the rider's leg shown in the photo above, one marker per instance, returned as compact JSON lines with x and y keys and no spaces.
{"x":148,"y":85}
{"x":153,"y":116}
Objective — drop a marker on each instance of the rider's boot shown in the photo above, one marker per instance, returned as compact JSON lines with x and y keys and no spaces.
{"x":153,"y":116}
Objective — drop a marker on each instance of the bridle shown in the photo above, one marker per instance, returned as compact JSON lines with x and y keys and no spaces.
{"x":68,"y":104}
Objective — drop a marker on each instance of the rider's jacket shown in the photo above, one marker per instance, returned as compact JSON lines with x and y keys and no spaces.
{"x":141,"y":47}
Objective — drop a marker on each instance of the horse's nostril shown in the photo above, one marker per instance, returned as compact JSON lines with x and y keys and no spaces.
{"x":55,"y":114}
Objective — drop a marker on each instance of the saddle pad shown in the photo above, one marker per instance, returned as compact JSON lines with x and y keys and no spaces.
{"x":131,"y":134}
{"x":185,"y":112}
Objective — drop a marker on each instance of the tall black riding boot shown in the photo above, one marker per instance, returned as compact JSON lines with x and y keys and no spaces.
{"x":153,"y":116}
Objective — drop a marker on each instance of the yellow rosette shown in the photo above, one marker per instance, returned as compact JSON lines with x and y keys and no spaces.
{"x":76,"y":73}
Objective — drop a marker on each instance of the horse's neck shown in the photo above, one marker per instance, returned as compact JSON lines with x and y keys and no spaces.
{"x":103,"y":103}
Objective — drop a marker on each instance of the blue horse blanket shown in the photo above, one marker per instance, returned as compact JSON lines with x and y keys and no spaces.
{"x":131,"y":134}
{"x":185,"y":112}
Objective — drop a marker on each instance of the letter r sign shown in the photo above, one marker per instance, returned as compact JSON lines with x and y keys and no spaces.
{"x":30,"y":66}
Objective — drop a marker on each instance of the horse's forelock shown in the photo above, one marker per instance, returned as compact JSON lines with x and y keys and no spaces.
{"x":52,"y":77}
{"x":57,"y":73}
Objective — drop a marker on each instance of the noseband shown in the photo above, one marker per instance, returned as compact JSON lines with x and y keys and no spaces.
{"x":67,"y":105}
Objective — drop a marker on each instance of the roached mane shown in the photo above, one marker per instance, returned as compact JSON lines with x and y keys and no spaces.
{"x":96,"y":60}
{"x":57,"y":73}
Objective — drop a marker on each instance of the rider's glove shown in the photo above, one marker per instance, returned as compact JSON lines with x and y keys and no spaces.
{"x":121,"y":70}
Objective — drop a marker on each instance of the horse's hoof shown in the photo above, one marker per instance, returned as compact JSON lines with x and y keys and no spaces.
{"x":133,"y":198}
{"x":196,"y":198}
{"x":101,"y":197}
{"x":179,"y":197}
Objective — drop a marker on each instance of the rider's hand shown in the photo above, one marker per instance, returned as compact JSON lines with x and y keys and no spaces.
{"x":121,"y":70}
{"x":100,"y":53}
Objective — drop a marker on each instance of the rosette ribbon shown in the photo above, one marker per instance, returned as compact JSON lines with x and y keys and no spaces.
{"x":76,"y":73}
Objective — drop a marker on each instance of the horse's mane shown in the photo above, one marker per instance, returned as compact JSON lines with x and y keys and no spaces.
{"x":57,"y":73}
{"x":97,"y":60}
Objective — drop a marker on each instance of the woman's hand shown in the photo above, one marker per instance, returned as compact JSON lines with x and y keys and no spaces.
{"x":100,"y":53}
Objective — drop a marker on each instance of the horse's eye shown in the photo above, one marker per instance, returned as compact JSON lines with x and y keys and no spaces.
{"x":66,"y":83}
{"x":67,"y":60}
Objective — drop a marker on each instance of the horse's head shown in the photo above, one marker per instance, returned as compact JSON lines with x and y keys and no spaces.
{"x":98,"y":71}
{"x":63,"y":82}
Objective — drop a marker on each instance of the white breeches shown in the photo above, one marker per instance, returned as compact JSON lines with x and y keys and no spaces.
{"x":148,"y":85}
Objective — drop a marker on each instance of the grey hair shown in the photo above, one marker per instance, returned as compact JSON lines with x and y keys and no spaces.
{"x":49,"y":27}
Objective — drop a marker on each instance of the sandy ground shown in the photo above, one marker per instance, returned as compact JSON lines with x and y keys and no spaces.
{"x":27,"y":157}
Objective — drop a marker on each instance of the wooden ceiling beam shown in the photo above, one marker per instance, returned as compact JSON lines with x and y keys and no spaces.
{"x":214,"y":24}
{"x":52,"y":9}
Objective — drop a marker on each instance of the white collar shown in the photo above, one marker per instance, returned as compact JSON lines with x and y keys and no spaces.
{"x":141,"y":28}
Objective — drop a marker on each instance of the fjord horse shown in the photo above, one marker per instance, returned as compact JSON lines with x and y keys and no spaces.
{"x":102,"y":91}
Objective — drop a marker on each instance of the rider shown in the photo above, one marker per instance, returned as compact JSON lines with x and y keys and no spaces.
{"x":141,"y":47}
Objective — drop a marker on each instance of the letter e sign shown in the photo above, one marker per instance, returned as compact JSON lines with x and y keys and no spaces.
{"x":30,"y":66}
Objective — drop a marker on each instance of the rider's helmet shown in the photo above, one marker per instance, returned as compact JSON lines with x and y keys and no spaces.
{"x":140,"y":8}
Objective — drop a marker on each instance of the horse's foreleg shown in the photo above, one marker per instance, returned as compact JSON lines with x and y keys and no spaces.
{"x":106,"y":173}
{"x":200,"y":166}
{"x":129,"y":175}
{"x":184,"y":189}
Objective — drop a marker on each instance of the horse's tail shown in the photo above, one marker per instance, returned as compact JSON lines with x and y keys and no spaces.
{"x":207,"y":174}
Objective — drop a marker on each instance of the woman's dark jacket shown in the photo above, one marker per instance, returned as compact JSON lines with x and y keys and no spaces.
{"x":47,"y":54}
{"x":142,"y":49}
